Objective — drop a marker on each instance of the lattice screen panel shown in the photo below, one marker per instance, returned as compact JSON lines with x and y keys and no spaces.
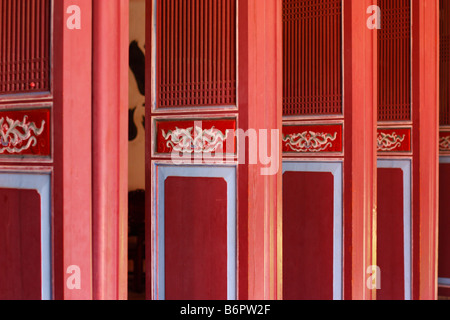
{"x":312,"y":65}
{"x":24,"y":46}
{"x":445,"y":62}
{"x":196,"y":53}
{"x":394,"y":45}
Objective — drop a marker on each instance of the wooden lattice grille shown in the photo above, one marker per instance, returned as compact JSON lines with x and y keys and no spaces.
{"x":25,"y":46}
{"x":196,"y":53}
{"x":445,"y":62}
{"x":312,"y":64}
{"x":394,"y":45}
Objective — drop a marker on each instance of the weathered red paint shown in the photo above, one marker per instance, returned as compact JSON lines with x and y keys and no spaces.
{"x":110,"y":149}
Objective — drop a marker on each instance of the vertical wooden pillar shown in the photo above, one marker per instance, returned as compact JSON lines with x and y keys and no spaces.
{"x":426,"y":151}
{"x":360,"y":157}
{"x":110,"y":148}
{"x":72,"y":234}
{"x":260,"y":103}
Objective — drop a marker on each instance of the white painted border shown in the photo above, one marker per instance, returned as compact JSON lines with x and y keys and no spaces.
{"x":405,"y":166}
{"x":165,"y":171}
{"x":40,"y":182}
{"x":335,"y":168}
{"x":444,"y":281}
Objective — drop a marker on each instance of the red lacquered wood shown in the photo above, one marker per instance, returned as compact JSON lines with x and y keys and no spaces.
{"x":260,"y":104}
{"x":425,"y":100}
{"x":195,"y":238}
{"x":360,"y":92}
{"x":110,"y":149}
{"x":72,"y":204}
{"x":308,"y":236}
{"x":20,"y":245}
{"x":390,"y":242}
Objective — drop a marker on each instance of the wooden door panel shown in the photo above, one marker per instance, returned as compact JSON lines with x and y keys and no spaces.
{"x":20,"y":245}
{"x":308,"y":235}
{"x":195,"y":238}
{"x":390,"y":234}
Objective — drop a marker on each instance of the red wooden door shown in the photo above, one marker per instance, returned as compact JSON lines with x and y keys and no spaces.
{"x":26,"y":149}
{"x":313,"y":128}
{"x":191,"y":110}
{"x":45,"y":97}
{"x":321,"y":143}
{"x":395,"y":150}
{"x":210,"y":226}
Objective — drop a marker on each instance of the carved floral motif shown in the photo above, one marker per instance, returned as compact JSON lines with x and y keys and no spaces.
{"x":17,"y":136}
{"x":444,"y":143}
{"x":187,"y":141}
{"x":389,"y":142}
{"x":309,"y":141}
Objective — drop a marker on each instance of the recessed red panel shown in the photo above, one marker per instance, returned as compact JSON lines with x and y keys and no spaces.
{"x":189,"y":136}
{"x":394,"y":140}
{"x":312,"y":138}
{"x":308,"y":236}
{"x":390,"y":245}
{"x":25,"y":133}
{"x":20,"y":245}
{"x":444,"y":221}
{"x":195,"y":238}
{"x":444,"y":141}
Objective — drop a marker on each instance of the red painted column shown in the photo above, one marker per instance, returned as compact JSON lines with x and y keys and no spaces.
{"x":72,"y":205}
{"x":260,"y":104}
{"x":426,"y":151}
{"x":360,"y":149}
{"x":110,"y":148}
